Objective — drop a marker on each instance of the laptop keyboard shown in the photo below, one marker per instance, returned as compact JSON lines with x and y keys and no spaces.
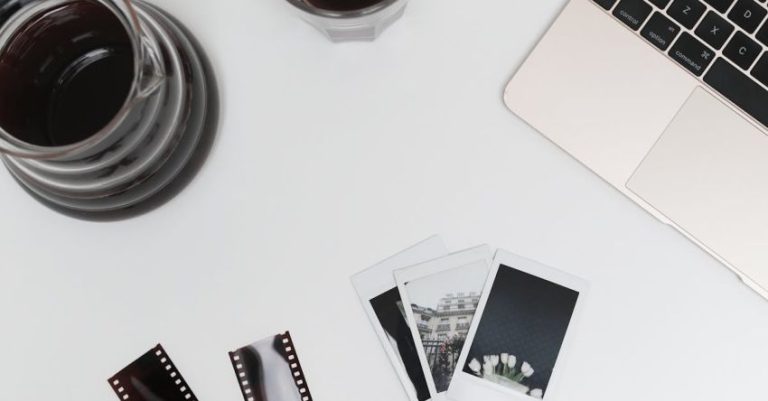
{"x":723,"y":42}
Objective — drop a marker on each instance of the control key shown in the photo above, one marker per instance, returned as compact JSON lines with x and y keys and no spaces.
{"x":632,"y":12}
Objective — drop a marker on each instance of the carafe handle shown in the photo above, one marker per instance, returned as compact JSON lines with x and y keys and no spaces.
{"x":151,"y":68}
{"x":152,"y":71}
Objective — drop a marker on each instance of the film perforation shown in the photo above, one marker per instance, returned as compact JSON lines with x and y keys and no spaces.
{"x":245,"y":386}
{"x":266,"y":369}
{"x":150,"y":376}
{"x":172,"y":373}
{"x":119,"y":389}
{"x":295,"y":366}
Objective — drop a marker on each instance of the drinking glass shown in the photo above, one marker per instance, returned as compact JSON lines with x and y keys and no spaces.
{"x":363,"y":24}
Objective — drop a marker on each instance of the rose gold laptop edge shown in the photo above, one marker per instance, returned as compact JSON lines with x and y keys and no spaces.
{"x":661,"y":99}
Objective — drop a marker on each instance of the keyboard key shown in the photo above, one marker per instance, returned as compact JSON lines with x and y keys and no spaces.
{"x":742,"y":50}
{"x":687,"y":12}
{"x":606,"y":4}
{"x":662,"y":4}
{"x":720,"y":5}
{"x":692,"y":54}
{"x":660,"y":31}
{"x":739,"y":89}
{"x":748,"y":14}
{"x":714,"y":30}
{"x":761,"y":70}
{"x":632,"y":12}
{"x":762,"y":34}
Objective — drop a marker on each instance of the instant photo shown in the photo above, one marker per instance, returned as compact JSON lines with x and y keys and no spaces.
{"x":442,"y":296}
{"x":269,"y":370}
{"x":381,"y":300}
{"x":389,"y":311}
{"x":152,"y":377}
{"x":520,"y":331}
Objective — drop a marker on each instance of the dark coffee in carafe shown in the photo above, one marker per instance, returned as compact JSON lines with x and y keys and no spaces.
{"x":65,"y":74}
{"x":107,"y":107}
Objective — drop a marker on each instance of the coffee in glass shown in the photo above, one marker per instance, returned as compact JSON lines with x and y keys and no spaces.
{"x":347,"y":20}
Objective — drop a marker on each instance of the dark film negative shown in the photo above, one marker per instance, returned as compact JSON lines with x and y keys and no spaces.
{"x":269,"y":370}
{"x":152,"y":377}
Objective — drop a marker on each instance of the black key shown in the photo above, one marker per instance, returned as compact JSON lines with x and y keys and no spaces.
{"x":687,"y":12}
{"x":762,"y":34}
{"x":606,"y":4}
{"x":739,"y":89}
{"x":692,"y":54}
{"x":761,"y":69}
{"x":720,"y":5}
{"x":632,"y":12}
{"x":660,"y":31}
{"x":748,"y":14}
{"x":742,"y":50}
{"x":714,"y":30}
{"x":662,"y":4}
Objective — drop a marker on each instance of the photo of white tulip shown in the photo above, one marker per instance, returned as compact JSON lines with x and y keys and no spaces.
{"x":521,"y":331}
{"x":504,"y":370}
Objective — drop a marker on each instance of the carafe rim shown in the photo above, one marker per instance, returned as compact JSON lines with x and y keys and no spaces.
{"x":126,"y":14}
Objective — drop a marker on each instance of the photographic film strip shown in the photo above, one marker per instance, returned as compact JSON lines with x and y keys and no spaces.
{"x":269,"y":370}
{"x":152,"y":377}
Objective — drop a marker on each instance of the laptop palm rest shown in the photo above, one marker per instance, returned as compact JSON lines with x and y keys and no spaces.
{"x":708,"y":173}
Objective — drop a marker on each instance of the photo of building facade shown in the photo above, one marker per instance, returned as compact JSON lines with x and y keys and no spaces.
{"x":451,"y":318}
{"x":442,"y":307}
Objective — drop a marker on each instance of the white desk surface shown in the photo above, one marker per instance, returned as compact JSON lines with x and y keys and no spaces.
{"x":330,"y":158}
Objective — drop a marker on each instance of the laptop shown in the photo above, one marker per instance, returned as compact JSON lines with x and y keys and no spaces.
{"x":666,"y":100}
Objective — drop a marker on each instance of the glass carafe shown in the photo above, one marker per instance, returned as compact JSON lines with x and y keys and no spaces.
{"x":107,"y":107}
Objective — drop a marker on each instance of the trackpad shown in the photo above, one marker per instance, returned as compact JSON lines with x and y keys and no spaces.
{"x":708,"y":173}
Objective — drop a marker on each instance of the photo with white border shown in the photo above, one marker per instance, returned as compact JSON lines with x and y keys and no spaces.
{"x":441,"y":297}
{"x":380,"y":299}
{"x":521,"y":333}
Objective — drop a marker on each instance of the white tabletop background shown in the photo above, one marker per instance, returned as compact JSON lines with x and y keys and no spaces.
{"x":330,"y":158}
